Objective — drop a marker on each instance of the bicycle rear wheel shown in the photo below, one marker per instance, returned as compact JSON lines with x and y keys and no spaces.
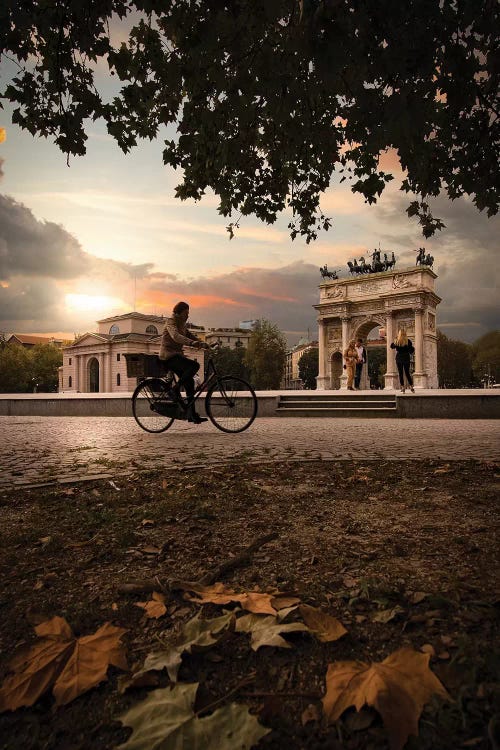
{"x":231,"y":404}
{"x":146,"y":397}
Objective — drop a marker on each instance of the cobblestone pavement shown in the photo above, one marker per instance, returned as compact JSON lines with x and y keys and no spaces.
{"x":41,"y":449}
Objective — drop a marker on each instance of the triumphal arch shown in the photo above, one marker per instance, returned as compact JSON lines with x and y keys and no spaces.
{"x":352,"y":307}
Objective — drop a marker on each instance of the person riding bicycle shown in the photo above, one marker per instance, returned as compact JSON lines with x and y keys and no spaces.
{"x":174,"y":337}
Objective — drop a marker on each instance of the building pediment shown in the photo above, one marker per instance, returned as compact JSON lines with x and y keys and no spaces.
{"x":88,"y":339}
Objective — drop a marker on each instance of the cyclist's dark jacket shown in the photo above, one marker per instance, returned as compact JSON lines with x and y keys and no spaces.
{"x":175,"y":335}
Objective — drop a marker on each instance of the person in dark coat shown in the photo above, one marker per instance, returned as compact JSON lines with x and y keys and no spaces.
{"x":404,"y":348}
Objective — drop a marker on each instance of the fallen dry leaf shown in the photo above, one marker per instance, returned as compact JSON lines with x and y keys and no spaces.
{"x":253,"y":601}
{"x":166,"y":718}
{"x":398,"y":688}
{"x":310,"y":713}
{"x":155,"y":607}
{"x":325,"y":627}
{"x":266,"y":631}
{"x":68,"y":665}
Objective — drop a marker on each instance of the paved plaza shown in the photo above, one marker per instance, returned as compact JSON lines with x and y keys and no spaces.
{"x":41,"y":449}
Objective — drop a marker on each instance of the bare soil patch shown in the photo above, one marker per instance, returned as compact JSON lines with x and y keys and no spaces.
{"x":402,"y":553}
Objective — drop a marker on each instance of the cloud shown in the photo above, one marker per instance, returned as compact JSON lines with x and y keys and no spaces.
{"x":32,"y":247}
{"x":41,"y":263}
{"x":284,"y":295}
{"x":466,"y":261}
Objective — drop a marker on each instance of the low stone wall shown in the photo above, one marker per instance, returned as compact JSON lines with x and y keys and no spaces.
{"x":94,"y":406}
{"x":429,"y":405}
{"x":454,"y":406}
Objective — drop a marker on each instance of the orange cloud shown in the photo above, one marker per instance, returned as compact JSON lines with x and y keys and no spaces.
{"x":247,"y":291}
{"x":167,"y":300}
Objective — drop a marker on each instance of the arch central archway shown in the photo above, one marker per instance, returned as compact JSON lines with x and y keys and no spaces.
{"x":94,"y":375}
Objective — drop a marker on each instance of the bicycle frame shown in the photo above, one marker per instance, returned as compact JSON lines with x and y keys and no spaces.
{"x":211,"y":377}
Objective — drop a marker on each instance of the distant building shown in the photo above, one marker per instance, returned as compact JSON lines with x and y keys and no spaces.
{"x":23,"y":339}
{"x":291,"y":379}
{"x":95,"y":362}
{"x":230,"y":337}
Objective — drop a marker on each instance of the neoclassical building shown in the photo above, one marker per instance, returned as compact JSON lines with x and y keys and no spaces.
{"x":351,"y":308}
{"x":95,"y":362}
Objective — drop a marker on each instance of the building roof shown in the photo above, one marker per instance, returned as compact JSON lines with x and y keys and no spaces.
{"x":25,"y":338}
{"x":136,"y":315}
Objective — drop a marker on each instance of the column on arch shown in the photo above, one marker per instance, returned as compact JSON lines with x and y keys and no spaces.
{"x":345,"y":340}
{"x":323,"y":379}
{"x":419,"y":376}
{"x":390,"y":373}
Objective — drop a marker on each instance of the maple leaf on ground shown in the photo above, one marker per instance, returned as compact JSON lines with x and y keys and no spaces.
{"x":195,"y":634}
{"x":252,"y":601}
{"x":69,"y":665}
{"x":325,"y":627}
{"x":265,"y":631}
{"x":155,"y":607}
{"x":398,"y":688}
{"x":166,"y":719}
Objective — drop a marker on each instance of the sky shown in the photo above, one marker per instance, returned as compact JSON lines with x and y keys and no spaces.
{"x":105,"y":235}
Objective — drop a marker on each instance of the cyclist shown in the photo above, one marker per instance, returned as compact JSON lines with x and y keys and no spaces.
{"x":174,"y":337}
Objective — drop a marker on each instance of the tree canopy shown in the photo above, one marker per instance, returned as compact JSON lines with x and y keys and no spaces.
{"x":454,"y":362}
{"x":265,"y":356}
{"x":269,"y":100}
{"x":23,"y":370}
{"x":309,"y":367}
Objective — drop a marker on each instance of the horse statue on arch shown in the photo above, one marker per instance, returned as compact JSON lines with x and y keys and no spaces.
{"x":326,"y":274}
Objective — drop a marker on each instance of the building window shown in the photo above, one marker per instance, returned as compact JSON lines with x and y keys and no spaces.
{"x":70,"y":382}
{"x":117,"y":357}
{"x":69,"y":361}
{"x":153,"y":330}
{"x":114,"y":329}
{"x":118,"y":379}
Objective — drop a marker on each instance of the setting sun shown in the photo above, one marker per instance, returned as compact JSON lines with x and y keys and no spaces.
{"x":96,"y":303}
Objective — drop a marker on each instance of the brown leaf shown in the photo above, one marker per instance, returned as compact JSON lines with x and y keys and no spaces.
{"x":325,"y":627}
{"x":69,"y":665}
{"x":253,"y":601}
{"x":398,"y":688}
{"x":284,"y":602}
{"x":310,"y":713}
{"x":155,"y":607}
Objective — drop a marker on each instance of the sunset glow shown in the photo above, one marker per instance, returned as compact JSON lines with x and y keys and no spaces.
{"x":98,"y":304}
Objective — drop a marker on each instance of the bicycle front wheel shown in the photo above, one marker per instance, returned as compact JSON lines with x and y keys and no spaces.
{"x":145,"y":399}
{"x":231,"y":404}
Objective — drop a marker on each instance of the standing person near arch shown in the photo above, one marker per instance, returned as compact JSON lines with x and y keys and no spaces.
{"x":361,"y":352}
{"x":404,"y":348}
{"x":350,"y":361}
{"x":174,"y":337}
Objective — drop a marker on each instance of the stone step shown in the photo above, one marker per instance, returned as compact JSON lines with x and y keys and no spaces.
{"x":338,"y":412}
{"x":331,"y":403}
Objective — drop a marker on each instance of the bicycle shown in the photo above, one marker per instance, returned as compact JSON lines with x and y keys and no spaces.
{"x":230,"y":402}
